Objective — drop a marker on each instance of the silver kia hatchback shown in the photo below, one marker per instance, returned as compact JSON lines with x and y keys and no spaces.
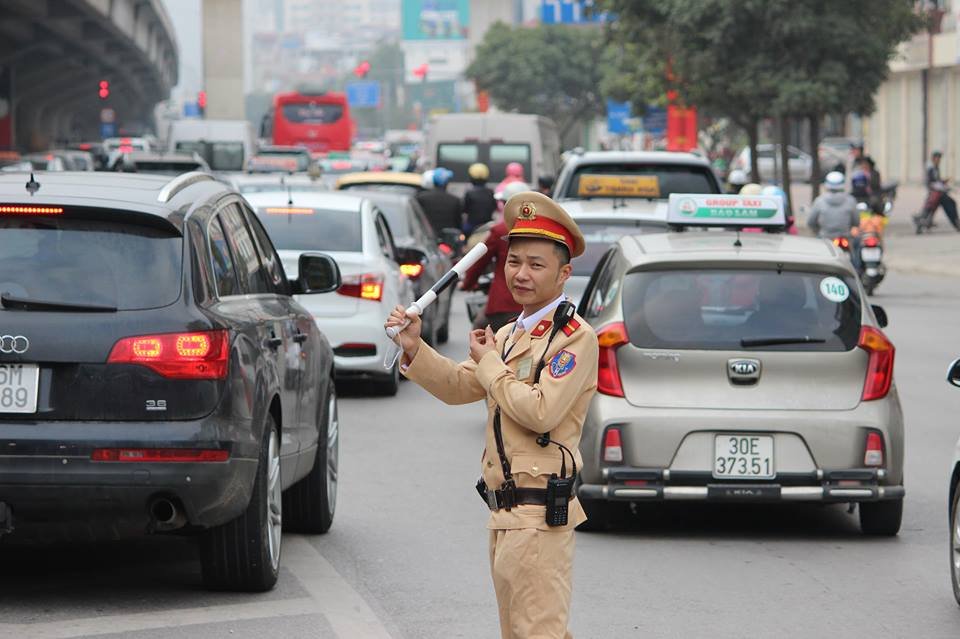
{"x":739,"y":367}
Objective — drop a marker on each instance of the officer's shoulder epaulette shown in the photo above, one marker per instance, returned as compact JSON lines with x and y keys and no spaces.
{"x":541,"y":328}
{"x":571,"y":327}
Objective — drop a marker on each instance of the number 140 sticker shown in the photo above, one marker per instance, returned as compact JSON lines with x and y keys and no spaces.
{"x":834,"y":289}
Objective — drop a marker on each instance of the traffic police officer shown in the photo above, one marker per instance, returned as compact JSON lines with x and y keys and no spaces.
{"x":537,"y":375}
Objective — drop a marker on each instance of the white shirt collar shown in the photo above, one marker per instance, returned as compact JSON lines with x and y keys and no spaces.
{"x":529,"y":323}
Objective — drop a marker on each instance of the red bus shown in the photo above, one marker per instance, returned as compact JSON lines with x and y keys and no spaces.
{"x":321,"y":122}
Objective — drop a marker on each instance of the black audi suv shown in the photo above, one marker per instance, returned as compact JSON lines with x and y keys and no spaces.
{"x":156,"y":374}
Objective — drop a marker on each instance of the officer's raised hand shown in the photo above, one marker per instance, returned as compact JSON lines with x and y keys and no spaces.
{"x":410,"y":336}
{"x":481,"y":343}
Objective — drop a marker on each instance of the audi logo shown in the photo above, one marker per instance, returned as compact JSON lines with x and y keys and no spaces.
{"x":14,"y":344}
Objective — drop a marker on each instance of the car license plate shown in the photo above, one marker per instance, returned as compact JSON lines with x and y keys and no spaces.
{"x":18,"y":388}
{"x":871,"y":254}
{"x":743,"y":457}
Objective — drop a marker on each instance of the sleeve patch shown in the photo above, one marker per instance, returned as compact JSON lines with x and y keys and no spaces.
{"x":571,"y":326}
{"x":562,"y":363}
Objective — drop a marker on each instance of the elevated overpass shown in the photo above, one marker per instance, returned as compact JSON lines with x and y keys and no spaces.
{"x":54,"y":53}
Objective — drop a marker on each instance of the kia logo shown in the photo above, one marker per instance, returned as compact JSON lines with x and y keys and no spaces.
{"x":14,"y":344}
{"x":743,"y":371}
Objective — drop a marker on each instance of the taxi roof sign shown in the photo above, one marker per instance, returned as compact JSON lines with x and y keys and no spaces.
{"x":737,"y":211}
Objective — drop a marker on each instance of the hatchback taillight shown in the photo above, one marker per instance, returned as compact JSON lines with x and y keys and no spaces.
{"x":879,"y":364}
{"x":873,"y":453}
{"x":368,"y":286}
{"x":177,"y":355}
{"x":610,"y":338}
{"x":612,"y":446}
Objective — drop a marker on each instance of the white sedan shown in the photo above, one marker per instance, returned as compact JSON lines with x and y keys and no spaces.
{"x":603,"y":222}
{"x":355,"y":233}
{"x":768,"y":163}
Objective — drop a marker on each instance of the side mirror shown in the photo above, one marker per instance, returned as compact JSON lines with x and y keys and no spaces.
{"x":887,"y":207}
{"x":953,"y":373}
{"x":411,"y":261}
{"x":318,"y":273}
{"x":880,"y":314}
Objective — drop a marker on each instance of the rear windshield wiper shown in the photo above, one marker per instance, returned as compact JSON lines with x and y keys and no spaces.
{"x":778,"y":341}
{"x":24,"y":304}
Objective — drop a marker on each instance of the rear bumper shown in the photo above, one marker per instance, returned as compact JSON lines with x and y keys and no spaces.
{"x":654,"y":484}
{"x":346,"y":334}
{"x":47,"y":475}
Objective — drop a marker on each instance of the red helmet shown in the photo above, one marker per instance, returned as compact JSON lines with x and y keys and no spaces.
{"x":515,"y":169}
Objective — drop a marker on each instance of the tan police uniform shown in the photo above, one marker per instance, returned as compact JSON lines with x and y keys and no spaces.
{"x":530,"y":561}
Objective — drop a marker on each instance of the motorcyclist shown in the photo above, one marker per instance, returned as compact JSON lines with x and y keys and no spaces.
{"x":514,"y":173}
{"x":442,"y":209}
{"x":501,"y":307}
{"x":478,"y":202}
{"x":774,"y":190}
{"x":834,"y":213}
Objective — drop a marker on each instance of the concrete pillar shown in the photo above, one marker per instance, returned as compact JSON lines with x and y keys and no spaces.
{"x":223,"y":58}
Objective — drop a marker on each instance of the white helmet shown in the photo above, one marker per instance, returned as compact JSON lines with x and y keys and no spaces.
{"x":834,"y":181}
{"x":512,"y":189}
{"x":737,"y":177}
{"x":426,"y":180}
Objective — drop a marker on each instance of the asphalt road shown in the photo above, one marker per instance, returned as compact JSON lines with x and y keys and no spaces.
{"x":406,"y":556}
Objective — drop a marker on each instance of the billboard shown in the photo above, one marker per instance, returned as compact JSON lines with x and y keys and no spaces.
{"x":435,"y":19}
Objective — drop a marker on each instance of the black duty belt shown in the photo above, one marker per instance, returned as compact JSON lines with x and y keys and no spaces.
{"x":509,"y":497}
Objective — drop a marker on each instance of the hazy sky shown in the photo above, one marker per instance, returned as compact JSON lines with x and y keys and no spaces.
{"x":186,"y":18}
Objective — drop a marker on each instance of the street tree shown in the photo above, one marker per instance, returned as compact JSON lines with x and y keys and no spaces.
{"x":550,"y":70}
{"x":750,"y":59}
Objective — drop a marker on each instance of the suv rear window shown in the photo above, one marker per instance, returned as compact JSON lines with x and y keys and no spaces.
{"x":656,"y":181}
{"x":722,"y":309}
{"x":83,"y":261}
{"x":308,"y":229}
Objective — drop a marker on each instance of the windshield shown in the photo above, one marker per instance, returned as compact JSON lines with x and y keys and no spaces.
{"x":309,"y":229}
{"x":221,"y":156}
{"x":312,"y":113}
{"x":650,"y":181}
{"x":600,"y":235}
{"x":720,"y":309}
{"x":89,"y":262}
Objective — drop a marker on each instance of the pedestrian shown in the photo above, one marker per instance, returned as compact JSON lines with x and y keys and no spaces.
{"x":478,"y":202}
{"x":441,"y":208}
{"x":537,"y":382}
{"x":937,"y":185}
{"x":514,"y":173}
{"x":501,"y":308}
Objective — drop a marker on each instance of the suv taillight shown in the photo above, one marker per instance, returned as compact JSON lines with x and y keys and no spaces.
{"x":610,"y":338}
{"x":368,"y":286}
{"x":177,"y":355}
{"x":879,"y":365}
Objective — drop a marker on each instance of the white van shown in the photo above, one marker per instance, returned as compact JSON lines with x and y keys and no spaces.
{"x":457,"y":140}
{"x":226,"y":145}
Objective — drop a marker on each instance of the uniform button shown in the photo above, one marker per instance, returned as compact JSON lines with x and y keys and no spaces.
{"x":536,"y":469}
{"x":489,"y":464}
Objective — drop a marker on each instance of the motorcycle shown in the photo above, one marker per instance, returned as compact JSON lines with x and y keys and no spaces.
{"x":477,"y":301}
{"x":923,"y":221}
{"x":871,"y":269}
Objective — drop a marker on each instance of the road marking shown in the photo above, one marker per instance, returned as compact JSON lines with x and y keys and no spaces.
{"x":330,"y":595}
{"x":344,"y":608}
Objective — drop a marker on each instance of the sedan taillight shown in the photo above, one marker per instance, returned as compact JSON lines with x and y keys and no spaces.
{"x":177,"y":355}
{"x":368,"y":286}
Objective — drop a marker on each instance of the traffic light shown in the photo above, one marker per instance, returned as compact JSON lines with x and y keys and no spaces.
{"x":202,"y":101}
{"x":104,"y":89}
{"x":362,"y":69}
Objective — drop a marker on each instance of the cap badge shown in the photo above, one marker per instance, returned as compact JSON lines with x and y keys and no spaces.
{"x":528,"y":211}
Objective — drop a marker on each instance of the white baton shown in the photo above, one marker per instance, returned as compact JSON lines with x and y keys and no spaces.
{"x":451,"y":276}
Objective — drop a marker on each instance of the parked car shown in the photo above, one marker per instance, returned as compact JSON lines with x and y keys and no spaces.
{"x":272,"y":182}
{"x":739,"y":367}
{"x":953,"y":499}
{"x":356,"y":234}
{"x":157,"y":374}
{"x":768,"y":163}
{"x":421,"y":257}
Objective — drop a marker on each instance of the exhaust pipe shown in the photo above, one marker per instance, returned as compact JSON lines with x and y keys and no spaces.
{"x":166,"y":515}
